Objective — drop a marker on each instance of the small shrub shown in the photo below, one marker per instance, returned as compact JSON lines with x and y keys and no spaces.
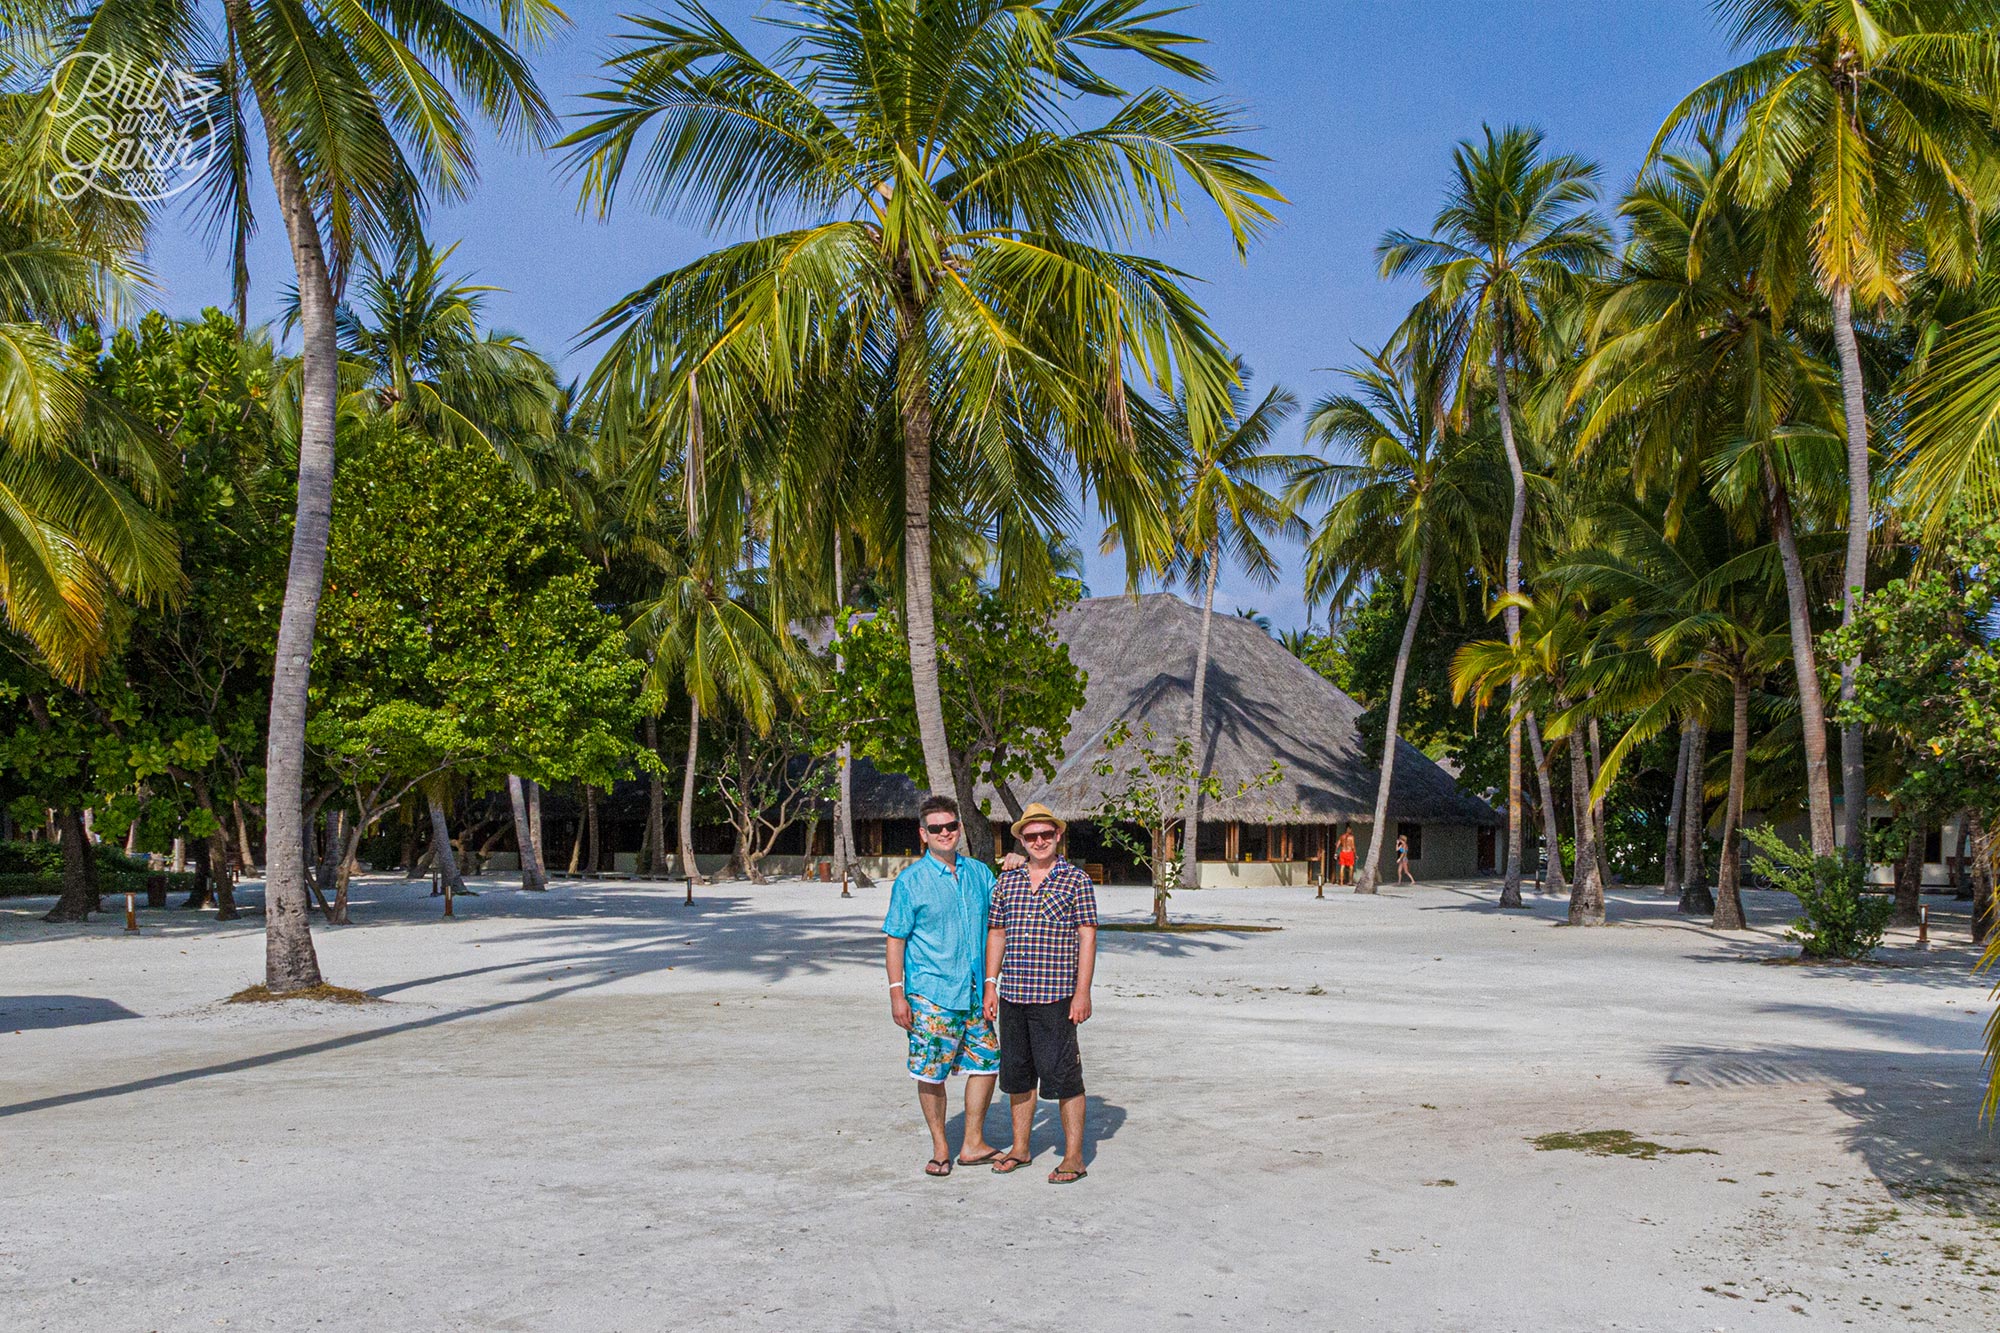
{"x":1842,"y":919}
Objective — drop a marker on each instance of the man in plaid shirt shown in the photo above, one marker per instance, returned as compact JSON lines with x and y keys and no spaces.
{"x":1040,"y":952}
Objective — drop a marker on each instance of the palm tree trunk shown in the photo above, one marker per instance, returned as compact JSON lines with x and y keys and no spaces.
{"x":913,"y":401}
{"x":447,"y":856}
{"x":1805,"y":669}
{"x":524,"y":839}
{"x":245,"y":859}
{"x":79,"y":873}
{"x":1586,"y":897}
{"x":1670,"y":879}
{"x":290,"y":963}
{"x":1597,"y":806}
{"x":1696,"y":900}
{"x":1510,"y":887}
{"x":689,"y":870}
{"x":1551,"y":833}
{"x":1854,"y":582}
{"x":1729,"y":883}
{"x":656,"y":805}
{"x":1364,"y":882}
{"x":1190,"y":809}
{"x":843,"y":820}
{"x":535,"y":829}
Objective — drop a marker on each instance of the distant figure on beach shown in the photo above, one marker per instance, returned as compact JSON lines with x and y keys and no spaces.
{"x":1403,"y":860}
{"x":936,"y":929}
{"x":1347,"y":855}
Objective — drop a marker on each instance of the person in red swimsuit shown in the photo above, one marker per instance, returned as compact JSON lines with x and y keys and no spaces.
{"x":1347,"y":855}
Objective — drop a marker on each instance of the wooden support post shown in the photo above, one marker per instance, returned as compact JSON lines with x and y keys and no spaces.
{"x":131,"y":914}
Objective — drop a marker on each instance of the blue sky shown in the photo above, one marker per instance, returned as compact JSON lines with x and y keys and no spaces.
{"x":1358,"y":105}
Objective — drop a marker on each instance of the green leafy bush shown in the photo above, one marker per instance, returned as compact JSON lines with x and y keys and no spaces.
{"x":40,"y":885}
{"x":1842,"y":919}
{"x":45,"y":858}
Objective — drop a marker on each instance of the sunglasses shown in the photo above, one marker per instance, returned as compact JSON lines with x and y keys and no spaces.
{"x":939,"y":830}
{"x":1039,"y":835}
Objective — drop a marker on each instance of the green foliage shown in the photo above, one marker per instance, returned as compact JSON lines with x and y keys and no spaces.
{"x":1153,"y":778}
{"x":1009,"y":686}
{"x":1930,"y":674}
{"x":1841,"y":919}
{"x":458,"y":632}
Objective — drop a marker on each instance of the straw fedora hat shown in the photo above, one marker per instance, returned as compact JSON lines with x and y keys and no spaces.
{"x":1037,"y":813}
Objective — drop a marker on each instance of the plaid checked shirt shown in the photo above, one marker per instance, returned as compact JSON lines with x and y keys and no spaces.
{"x":1039,"y":965}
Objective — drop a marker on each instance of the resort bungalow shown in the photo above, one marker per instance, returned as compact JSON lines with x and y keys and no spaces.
{"x":1262,"y":705}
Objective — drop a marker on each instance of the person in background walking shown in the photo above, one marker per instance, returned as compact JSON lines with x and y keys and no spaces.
{"x":1403,"y":860}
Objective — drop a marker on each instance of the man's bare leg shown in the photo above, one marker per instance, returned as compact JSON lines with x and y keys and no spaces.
{"x":1022,"y":1107}
{"x":978,"y":1096}
{"x":1072,"y":1123}
{"x":930,"y":1096}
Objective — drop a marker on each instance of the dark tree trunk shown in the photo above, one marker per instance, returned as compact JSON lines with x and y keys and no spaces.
{"x":1551,"y":830}
{"x":656,"y":805}
{"x":79,"y":873}
{"x":1696,"y":900}
{"x":1371,"y":855}
{"x":690,"y":870}
{"x":1676,"y":816}
{"x":535,"y":829}
{"x":1910,"y":877}
{"x":198,"y":897}
{"x":1510,"y":887}
{"x":1729,"y":883}
{"x":524,"y":837}
{"x":410,"y":855}
{"x":1982,"y":882}
{"x":1586,"y":899}
{"x":593,"y":846}
{"x":446,"y":854}
{"x":978,"y":834}
{"x":1805,"y":666}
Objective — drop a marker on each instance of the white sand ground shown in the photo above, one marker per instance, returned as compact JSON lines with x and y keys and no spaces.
{"x":595,"y":1109}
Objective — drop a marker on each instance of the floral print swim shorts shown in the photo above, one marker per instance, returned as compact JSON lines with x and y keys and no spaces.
{"x":944,"y":1042}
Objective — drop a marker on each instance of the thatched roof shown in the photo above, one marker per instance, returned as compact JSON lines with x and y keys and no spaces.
{"x":1262,"y":704}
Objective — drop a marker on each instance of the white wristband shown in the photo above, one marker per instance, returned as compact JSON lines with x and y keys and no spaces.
{"x":895,"y":985}
{"x":992,"y":981}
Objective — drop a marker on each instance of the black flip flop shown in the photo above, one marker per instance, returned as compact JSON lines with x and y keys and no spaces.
{"x":1001,"y":1167}
{"x":992,"y":1155}
{"x":1074,"y":1176}
{"x":944,"y":1162}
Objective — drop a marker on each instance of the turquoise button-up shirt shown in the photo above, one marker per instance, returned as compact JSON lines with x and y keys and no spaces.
{"x":942,"y":913}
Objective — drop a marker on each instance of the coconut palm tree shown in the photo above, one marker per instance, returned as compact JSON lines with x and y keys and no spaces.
{"x":1692,"y":618}
{"x":1542,"y":664}
{"x":700,"y":632}
{"x":1696,"y":379}
{"x":959,"y":214}
{"x":75,"y":476}
{"x":1223,"y":513}
{"x":356,"y":109}
{"x":1864,"y":129}
{"x":1516,"y":238}
{"x":1416,"y":498}
{"x":414,"y":335}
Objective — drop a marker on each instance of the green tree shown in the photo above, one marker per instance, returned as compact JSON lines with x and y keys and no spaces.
{"x":1697,"y":379}
{"x":360,"y":125}
{"x":1008,"y":685}
{"x":1541,"y":665}
{"x":1515,"y":240}
{"x":460,"y":633}
{"x":1223,"y":513}
{"x":964,"y":224}
{"x":1417,"y":495}
{"x":1151,"y":780}
{"x":1864,"y":131}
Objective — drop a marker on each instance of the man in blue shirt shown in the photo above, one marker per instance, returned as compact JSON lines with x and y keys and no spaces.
{"x":936,"y":930}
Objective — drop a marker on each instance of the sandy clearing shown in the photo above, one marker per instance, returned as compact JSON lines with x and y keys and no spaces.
{"x":596,"y":1109}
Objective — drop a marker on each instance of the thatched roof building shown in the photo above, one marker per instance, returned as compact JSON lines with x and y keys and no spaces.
{"x":1261,"y":704}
